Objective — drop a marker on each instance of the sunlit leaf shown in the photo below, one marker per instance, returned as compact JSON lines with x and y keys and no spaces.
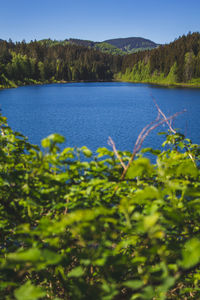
{"x":29,"y":291}
{"x":76,"y":272}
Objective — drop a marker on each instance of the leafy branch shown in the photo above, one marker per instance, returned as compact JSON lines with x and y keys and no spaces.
{"x":161,"y":119}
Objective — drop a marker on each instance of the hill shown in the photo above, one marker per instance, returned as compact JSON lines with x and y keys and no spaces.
{"x":177,"y":62}
{"x":52,"y":61}
{"x":85,"y":43}
{"x":118,"y":46}
{"x":132,"y":44}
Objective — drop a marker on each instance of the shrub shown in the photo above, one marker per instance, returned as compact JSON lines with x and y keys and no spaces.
{"x":72,"y":229}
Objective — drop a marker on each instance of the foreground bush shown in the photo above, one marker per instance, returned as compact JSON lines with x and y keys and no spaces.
{"x":71,"y":229}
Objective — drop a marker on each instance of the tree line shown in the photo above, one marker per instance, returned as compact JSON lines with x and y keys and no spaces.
{"x":40,"y":62}
{"x":43,"y":61}
{"x":178,"y":61}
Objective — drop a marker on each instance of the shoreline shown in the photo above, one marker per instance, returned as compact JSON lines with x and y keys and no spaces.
{"x":167,"y":85}
{"x":160,"y":84}
{"x":47,"y":82}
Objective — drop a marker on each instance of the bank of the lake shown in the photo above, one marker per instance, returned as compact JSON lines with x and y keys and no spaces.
{"x":164,"y":84}
{"x":35,"y":82}
{"x":159,"y":80}
{"x":194,"y":83}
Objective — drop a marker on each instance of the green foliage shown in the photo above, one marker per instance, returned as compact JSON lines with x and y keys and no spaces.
{"x":28,"y":292}
{"x":47,"y":61}
{"x":71,"y":229}
{"x":189,"y":65}
{"x":174,"y":64}
{"x":108,"y":48}
{"x":52,"y":61}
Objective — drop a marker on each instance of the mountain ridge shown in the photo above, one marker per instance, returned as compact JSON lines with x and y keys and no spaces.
{"x":132,"y":43}
{"x":120,"y":46}
{"x":116,"y":46}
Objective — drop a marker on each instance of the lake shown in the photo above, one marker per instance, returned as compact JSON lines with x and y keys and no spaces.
{"x":88,"y":113}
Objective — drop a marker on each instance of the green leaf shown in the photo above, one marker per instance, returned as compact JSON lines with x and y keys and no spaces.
{"x":139,"y":167}
{"x":150,"y":221}
{"x":133,"y":284}
{"x":151,"y":150}
{"x":187,"y":168}
{"x":29,"y":292}
{"x":100,"y":261}
{"x":104,"y":152}
{"x":53,"y":138}
{"x":31,"y":255}
{"x":87,"y":152}
{"x":51,"y":257}
{"x":76,"y":272}
{"x":191,"y":253}
{"x":45,"y":143}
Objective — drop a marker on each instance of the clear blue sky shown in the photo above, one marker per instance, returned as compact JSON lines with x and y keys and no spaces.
{"x":159,"y":20}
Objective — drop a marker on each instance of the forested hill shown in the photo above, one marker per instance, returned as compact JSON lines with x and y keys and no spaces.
{"x":85,"y":43}
{"x":36,"y":62}
{"x":121,"y":46}
{"x":132,"y":44}
{"x":176,"y":62}
{"x":47,"y":61}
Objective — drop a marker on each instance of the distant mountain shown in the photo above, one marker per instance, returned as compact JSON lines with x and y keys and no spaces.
{"x":132,"y":44}
{"x":119,"y":46}
{"x":101,"y":46}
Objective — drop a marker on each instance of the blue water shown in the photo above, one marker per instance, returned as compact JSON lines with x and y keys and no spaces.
{"x":88,"y":113}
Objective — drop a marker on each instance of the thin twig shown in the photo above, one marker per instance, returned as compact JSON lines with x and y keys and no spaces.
{"x":144,"y":129}
{"x":111,"y":143}
{"x":142,"y":137}
{"x":192,"y":158}
{"x":160,"y":111}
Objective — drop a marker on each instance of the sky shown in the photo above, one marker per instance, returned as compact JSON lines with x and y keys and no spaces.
{"x":158,"y":20}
